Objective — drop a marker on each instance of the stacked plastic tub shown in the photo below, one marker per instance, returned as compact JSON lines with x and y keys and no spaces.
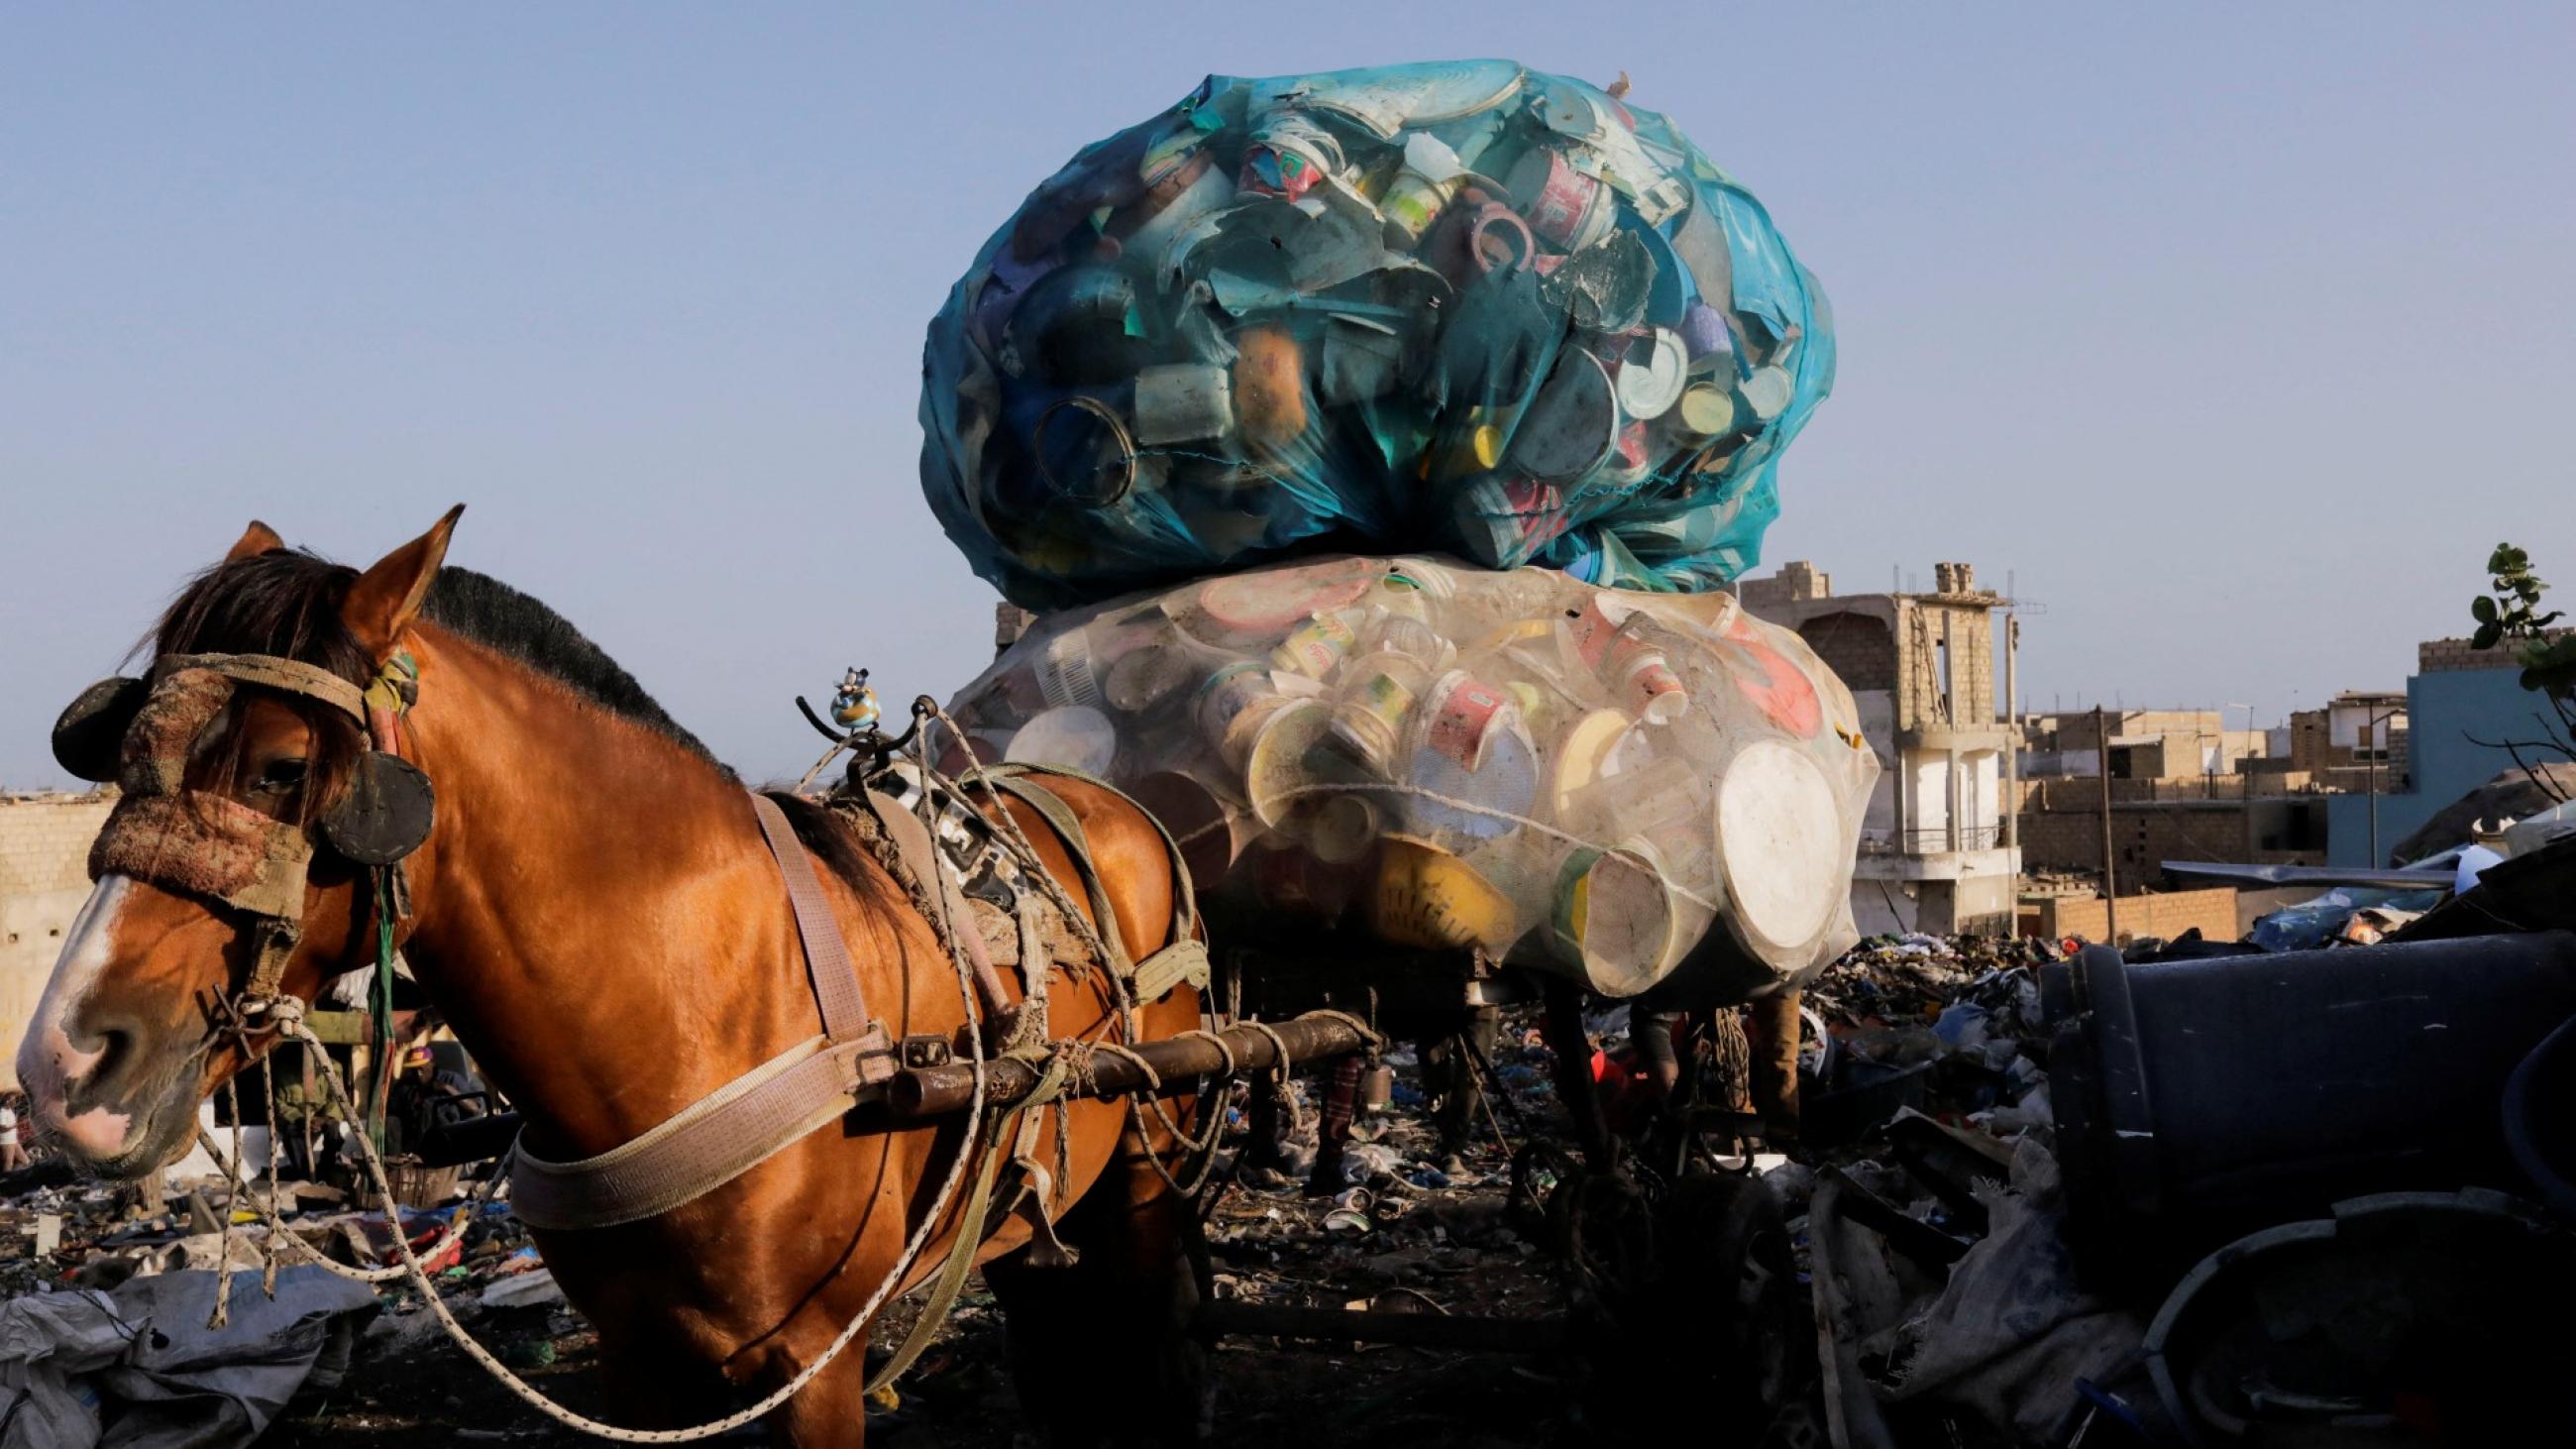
{"x":1509,"y":330}
{"x":1576,"y":778}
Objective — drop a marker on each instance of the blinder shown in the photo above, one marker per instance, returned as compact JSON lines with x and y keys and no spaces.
{"x":385,"y":815}
{"x":89,"y":737}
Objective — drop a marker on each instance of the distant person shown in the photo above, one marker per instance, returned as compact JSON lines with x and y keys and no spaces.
{"x":13,"y":1153}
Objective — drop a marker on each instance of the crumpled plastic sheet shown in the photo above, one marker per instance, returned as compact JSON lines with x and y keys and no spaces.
{"x":143,"y":1357}
{"x":2313,"y":923}
{"x":2011,"y":1332}
{"x":1459,"y":307}
{"x":1583,"y":780}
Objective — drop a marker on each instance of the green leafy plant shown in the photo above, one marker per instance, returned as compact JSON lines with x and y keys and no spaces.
{"x":2509,"y":614}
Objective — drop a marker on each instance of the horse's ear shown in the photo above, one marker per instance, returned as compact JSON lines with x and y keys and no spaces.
{"x":382,"y":603}
{"x":257,"y":539}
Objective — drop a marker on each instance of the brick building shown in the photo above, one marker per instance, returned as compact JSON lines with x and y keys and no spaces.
{"x":2360,"y":740}
{"x":1937,"y":846}
{"x":2182,"y":786}
{"x":44,"y":878}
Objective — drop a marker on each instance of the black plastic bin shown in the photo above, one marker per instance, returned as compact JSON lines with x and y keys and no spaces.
{"x":2199,"y":1100}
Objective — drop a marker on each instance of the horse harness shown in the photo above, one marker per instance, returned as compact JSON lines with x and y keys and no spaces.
{"x":140,"y":732}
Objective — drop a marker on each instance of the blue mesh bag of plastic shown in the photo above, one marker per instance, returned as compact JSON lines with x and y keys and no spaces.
{"x":1462,"y":307}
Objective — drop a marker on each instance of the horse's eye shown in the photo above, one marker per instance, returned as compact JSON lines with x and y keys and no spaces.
{"x":280,"y":776}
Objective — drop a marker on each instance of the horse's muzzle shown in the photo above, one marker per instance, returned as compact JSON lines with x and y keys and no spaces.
{"x":117,"y":1117}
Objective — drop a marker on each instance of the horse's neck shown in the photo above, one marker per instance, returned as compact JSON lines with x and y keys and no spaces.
{"x":597,"y":913}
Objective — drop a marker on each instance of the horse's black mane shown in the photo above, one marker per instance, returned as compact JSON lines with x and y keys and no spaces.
{"x":287,"y":602}
{"x":497,"y":616}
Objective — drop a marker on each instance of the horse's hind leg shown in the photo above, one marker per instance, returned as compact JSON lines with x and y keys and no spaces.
{"x":1104,"y":1351}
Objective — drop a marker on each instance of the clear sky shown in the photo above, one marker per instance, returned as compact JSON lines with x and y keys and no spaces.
{"x":2233,"y":334}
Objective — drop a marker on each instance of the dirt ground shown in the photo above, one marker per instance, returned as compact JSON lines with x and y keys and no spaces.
{"x":1270,"y":1393}
{"x":1410,"y":1236}
{"x":958,"y":1396}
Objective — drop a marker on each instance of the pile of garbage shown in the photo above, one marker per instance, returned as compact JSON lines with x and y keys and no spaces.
{"x":1574,"y":778}
{"x":1461,"y":307}
{"x":106,"y":1314}
{"x":1400,"y":1206}
{"x":1948,"y":1025}
{"x":2106,"y":1201}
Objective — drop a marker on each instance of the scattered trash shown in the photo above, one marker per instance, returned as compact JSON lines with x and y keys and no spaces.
{"x":1937,"y":1218}
{"x":534,"y":1289}
{"x":2011,"y":1330}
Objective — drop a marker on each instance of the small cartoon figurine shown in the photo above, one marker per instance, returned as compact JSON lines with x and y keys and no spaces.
{"x":854,"y":705}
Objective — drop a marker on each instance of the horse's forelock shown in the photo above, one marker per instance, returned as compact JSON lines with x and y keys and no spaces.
{"x":286,"y":603}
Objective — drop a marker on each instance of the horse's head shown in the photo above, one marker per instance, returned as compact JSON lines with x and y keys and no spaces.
{"x":237,"y":870}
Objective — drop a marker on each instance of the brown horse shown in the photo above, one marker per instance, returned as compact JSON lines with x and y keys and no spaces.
{"x":596,"y":913}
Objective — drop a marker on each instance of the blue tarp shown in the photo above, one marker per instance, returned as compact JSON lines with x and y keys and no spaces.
{"x":1459,"y":307}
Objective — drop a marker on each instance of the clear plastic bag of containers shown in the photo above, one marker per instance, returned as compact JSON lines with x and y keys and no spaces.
{"x":1462,"y":307}
{"x":1578,"y":778}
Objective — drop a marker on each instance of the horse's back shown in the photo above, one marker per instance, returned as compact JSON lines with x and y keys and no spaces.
{"x":1130,"y":853}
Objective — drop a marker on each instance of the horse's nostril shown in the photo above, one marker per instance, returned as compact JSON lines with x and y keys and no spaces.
{"x":115,"y":1048}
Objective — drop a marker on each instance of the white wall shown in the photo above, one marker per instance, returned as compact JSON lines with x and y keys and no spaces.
{"x":1981,"y":791}
{"x":1927,"y":799}
{"x":2344,"y":724}
{"x":1884,"y":907}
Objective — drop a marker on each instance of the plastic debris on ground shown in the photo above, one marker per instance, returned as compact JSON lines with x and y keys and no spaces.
{"x":1578,"y":779}
{"x":1462,"y":307}
{"x":140,"y":1360}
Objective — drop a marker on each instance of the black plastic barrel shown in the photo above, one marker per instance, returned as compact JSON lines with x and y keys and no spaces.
{"x":2540,"y":1119}
{"x":2200,"y":1100}
{"x":2401,"y":1312}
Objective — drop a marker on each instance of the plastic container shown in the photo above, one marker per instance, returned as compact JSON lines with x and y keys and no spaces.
{"x":1433,"y":744}
{"x":2198,"y":1099}
{"x":1446,"y":307}
{"x":2401,"y":1319}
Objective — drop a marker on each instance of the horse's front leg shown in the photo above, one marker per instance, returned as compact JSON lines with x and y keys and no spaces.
{"x":832,"y":1411}
{"x":656,"y":1386}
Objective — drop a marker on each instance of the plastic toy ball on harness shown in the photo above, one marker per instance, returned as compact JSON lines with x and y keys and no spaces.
{"x":854,"y":705}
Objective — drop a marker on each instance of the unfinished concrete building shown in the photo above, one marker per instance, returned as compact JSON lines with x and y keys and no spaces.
{"x":1938,"y":850}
